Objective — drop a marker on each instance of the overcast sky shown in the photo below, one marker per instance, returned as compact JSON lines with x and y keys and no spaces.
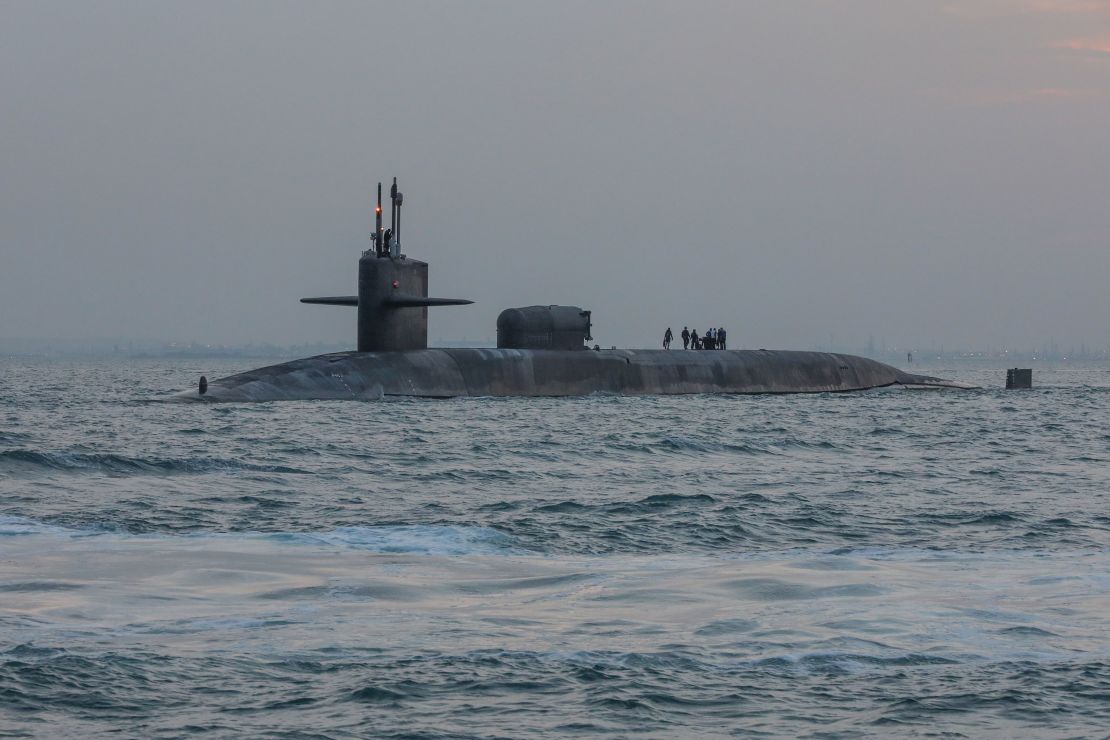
{"x":803,"y":173}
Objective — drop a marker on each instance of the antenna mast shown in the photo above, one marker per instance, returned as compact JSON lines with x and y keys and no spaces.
{"x":378,"y":224}
{"x":393,"y":208}
{"x":397,"y":235}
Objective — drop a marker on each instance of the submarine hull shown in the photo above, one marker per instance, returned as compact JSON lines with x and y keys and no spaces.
{"x":446,"y":373}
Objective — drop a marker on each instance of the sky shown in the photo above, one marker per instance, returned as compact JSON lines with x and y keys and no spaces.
{"x":806,"y":174}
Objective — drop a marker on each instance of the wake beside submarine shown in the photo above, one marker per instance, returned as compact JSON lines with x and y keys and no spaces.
{"x":541,"y":351}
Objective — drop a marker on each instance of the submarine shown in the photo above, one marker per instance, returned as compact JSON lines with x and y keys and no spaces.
{"x":542,"y":350}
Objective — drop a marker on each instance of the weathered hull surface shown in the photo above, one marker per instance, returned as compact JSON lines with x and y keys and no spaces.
{"x":444,"y":373}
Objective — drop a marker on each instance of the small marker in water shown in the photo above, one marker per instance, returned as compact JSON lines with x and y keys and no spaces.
{"x":203,"y":385}
{"x":1019,"y":378}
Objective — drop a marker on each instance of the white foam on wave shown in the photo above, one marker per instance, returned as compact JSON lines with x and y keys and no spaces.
{"x":423,"y":539}
{"x":16,"y":526}
{"x":419,"y":539}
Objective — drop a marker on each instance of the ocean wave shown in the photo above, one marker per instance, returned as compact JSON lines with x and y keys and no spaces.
{"x":433,"y":693}
{"x":16,"y":461}
{"x":14,"y":526}
{"x":419,"y":539}
{"x":702,"y":662}
{"x":422,"y":539}
{"x":7,"y":437}
{"x":847,"y":662}
{"x":688,"y":446}
{"x":647,"y":504}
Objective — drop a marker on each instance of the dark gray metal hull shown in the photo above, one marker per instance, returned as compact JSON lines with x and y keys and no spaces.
{"x":444,"y":373}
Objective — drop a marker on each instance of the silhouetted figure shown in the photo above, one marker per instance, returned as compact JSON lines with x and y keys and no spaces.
{"x":685,"y":337}
{"x":694,"y":341}
{"x":388,"y":239}
{"x":203,"y":388}
{"x":722,"y":337}
{"x":667,"y":337}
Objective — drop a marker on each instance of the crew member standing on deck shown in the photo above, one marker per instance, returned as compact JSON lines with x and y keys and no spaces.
{"x":694,"y":343}
{"x":667,"y":338}
{"x":685,"y":337}
{"x":722,"y":337}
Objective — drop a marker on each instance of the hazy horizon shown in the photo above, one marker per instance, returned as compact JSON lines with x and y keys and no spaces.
{"x":804,"y":173}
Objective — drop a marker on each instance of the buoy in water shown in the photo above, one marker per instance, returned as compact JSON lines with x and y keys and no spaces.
{"x":1019,"y":378}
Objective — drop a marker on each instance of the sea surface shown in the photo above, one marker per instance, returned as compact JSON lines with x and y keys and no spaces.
{"x":887,"y":563}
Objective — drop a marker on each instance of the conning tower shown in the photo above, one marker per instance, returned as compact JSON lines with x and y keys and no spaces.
{"x":392,"y":298}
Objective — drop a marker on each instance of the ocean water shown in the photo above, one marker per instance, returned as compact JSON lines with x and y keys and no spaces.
{"x":886,"y":563}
